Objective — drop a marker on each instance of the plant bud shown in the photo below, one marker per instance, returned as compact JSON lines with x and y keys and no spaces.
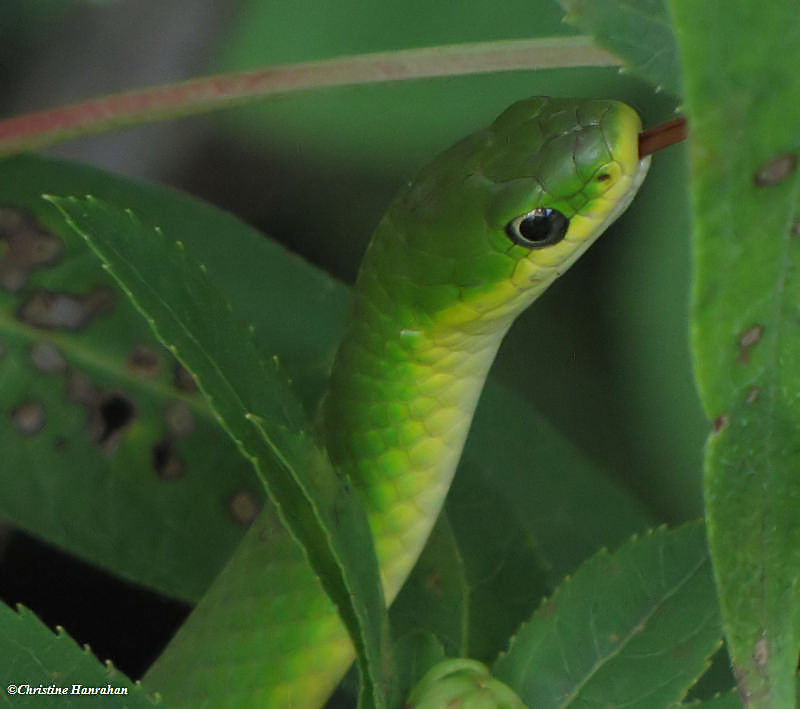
{"x":462,"y":683}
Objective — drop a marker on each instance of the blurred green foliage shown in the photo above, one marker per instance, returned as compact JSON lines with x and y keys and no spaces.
{"x":604,"y":355}
{"x":743,"y":99}
{"x":609,"y":339}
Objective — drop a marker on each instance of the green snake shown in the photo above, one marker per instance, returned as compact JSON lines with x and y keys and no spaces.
{"x":461,"y":252}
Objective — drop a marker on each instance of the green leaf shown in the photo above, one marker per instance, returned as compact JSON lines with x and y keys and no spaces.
{"x":255,"y":405}
{"x":471,"y":589}
{"x":555,"y":510}
{"x":559,"y":497}
{"x":35,"y":658}
{"x":505,"y":572}
{"x":172,"y":528}
{"x":138,"y":494}
{"x":728,"y":700}
{"x":415,"y":654}
{"x":638,"y":31}
{"x":743,"y":104}
{"x":435,"y":597}
{"x":634,"y":628}
{"x":715,"y":681}
{"x":477,"y":580}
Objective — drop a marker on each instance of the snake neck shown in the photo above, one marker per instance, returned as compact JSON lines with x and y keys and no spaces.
{"x":401,"y":398}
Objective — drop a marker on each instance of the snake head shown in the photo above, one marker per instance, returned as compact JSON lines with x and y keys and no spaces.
{"x":489,"y":225}
{"x":579,"y":173}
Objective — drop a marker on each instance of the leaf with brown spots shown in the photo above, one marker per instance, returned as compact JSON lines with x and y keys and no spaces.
{"x":47,"y":310}
{"x":84,"y":408}
{"x":743,"y":103}
{"x":728,"y":700}
{"x":775,"y":170}
{"x":255,"y":404}
{"x":29,"y":418}
{"x":24,"y":248}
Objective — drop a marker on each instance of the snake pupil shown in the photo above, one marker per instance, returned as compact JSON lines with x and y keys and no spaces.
{"x":539,"y":227}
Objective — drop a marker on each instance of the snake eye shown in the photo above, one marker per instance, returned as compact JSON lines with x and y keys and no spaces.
{"x":538,"y":228}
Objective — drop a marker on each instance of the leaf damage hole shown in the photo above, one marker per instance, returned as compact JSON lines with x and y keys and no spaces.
{"x":776,"y":170}
{"x":183,"y":379}
{"x":24,"y":247}
{"x":48,"y":310}
{"x":110,"y":413}
{"x":116,"y":413}
{"x":244,"y":507}
{"x":29,"y":418}
{"x":166,"y":463}
{"x":47,"y":358}
{"x":143,"y":361}
{"x":749,"y":339}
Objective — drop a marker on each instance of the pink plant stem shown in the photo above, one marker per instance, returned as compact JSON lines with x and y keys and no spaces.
{"x":43,"y":128}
